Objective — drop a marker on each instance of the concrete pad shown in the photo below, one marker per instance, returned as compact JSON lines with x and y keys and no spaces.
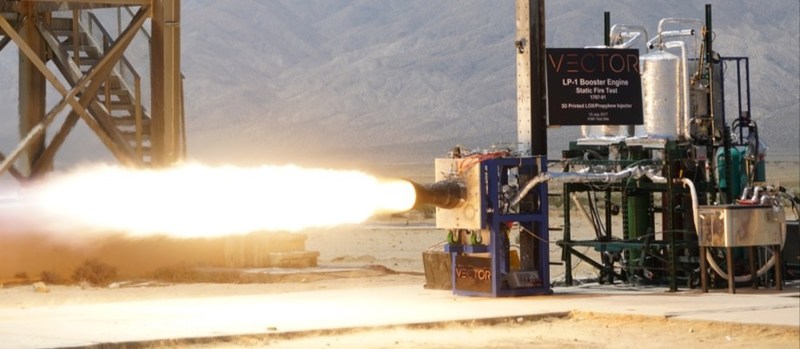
{"x":197,"y":317}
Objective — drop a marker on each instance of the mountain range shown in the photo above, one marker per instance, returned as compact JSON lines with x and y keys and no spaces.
{"x":358,"y":82}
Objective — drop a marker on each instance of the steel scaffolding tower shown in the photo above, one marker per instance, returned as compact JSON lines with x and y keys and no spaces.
{"x":97,"y":82}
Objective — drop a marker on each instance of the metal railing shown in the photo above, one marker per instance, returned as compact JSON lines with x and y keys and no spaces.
{"x":140,"y":45}
{"x":129,"y":78}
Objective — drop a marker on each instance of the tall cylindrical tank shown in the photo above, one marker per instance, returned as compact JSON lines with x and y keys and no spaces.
{"x":661,"y":95}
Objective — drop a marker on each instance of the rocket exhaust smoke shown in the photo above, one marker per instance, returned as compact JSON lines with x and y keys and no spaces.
{"x":194,"y":200}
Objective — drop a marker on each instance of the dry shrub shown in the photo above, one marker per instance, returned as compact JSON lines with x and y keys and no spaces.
{"x":95,"y":272}
{"x":51,"y":277}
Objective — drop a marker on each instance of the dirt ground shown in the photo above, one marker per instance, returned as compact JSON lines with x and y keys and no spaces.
{"x":389,"y":252}
{"x":577,"y":330}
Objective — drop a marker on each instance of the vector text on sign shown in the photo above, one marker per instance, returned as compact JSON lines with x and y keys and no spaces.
{"x":593,"y":87}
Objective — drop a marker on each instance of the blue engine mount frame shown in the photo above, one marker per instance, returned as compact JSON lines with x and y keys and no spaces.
{"x":491,"y":264}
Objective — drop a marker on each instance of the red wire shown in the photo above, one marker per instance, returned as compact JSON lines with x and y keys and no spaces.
{"x":474,"y":159}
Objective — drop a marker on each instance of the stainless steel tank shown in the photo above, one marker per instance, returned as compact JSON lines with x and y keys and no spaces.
{"x":661,"y":95}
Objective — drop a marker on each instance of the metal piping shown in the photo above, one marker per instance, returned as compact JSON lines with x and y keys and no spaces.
{"x":620,"y":29}
{"x":664,"y":21}
{"x":756,"y":193}
{"x":711,"y":262}
{"x":659,"y":38}
{"x":632,"y":38}
{"x":695,"y":202}
{"x":578,"y":177}
{"x":625,"y":27}
{"x":620,"y":36}
{"x":656,"y":178}
{"x":745,"y":193}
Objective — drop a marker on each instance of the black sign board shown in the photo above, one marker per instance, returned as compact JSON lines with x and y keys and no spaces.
{"x":593,"y":86}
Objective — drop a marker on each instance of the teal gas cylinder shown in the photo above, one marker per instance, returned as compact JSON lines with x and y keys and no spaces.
{"x":739,"y":173}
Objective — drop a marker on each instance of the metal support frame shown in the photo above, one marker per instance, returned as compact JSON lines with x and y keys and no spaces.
{"x":166,"y":83}
{"x":33,"y":30}
{"x":742,"y":92}
{"x":531,"y":84}
{"x":531,"y":96}
{"x":87,"y":86}
{"x":31,"y":86}
{"x":751,"y":257}
{"x":533,"y":219}
{"x":638,"y":248}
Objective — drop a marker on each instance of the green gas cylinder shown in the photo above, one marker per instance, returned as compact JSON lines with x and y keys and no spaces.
{"x":739,"y":173}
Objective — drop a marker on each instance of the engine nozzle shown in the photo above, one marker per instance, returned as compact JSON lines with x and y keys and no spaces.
{"x":447,"y":194}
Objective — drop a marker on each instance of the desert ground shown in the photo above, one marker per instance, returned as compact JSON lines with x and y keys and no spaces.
{"x":388,"y":252}
{"x":577,"y":330}
{"x":378,"y":256}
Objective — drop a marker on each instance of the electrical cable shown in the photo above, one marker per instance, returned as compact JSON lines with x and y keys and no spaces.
{"x":596,"y":220}
{"x":537,"y":237}
{"x":471,"y":160}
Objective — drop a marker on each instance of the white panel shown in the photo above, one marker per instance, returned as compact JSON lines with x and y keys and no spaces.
{"x":466,"y":215}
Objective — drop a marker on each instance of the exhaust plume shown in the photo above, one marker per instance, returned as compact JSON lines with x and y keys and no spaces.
{"x":194,"y":200}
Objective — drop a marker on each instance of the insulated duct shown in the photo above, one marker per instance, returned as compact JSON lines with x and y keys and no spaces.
{"x":585,"y":177}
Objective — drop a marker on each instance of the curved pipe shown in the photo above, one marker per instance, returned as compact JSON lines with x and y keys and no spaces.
{"x":695,"y":202}
{"x":656,"y":178}
{"x":745,"y":193}
{"x":664,"y":21}
{"x":630,"y":39}
{"x":539,"y":179}
{"x":711,"y":262}
{"x":658,"y":40}
{"x":767,"y":200}
{"x":634,"y":32}
{"x":756,"y":193}
{"x":580,"y":177}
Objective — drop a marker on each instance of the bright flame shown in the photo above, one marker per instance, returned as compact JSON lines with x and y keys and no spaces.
{"x":195,"y":200}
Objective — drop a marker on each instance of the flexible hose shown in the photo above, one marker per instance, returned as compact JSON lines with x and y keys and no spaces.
{"x":711,"y":262}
